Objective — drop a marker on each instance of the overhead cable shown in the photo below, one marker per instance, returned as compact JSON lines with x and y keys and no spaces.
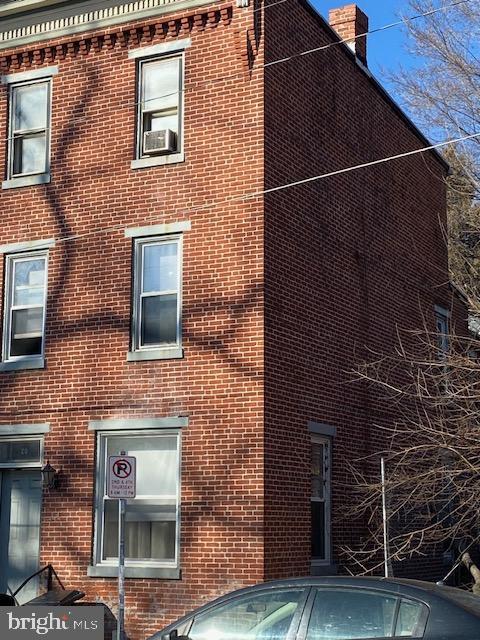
{"x":256,"y":194}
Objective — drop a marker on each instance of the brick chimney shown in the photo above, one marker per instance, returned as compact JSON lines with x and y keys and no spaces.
{"x":349,"y":21}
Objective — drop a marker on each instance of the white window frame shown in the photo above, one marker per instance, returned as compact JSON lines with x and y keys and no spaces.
{"x":327,"y":495}
{"x":101,"y":496}
{"x":13,"y":135}
{"x":8,"y":306}
{"x":142,"y":109}
{"x":139,"y":245}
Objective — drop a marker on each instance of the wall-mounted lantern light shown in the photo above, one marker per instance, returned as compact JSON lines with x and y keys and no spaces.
{"x":49,"y":476}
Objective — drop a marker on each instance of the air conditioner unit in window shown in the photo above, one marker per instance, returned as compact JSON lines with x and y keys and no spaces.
{"x":162,"y":141}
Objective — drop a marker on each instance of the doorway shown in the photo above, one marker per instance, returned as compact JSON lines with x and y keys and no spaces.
{"x":20,"y":509}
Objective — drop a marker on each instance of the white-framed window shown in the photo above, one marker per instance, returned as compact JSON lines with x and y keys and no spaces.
{"x":160,"y":106}
{"x":320,"y":499}
{"x":29,"y":128}
{"x":25,"y":305}
{"x":152,"y":526}
{"x":156,"y":322}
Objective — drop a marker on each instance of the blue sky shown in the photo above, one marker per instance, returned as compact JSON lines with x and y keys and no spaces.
{"x":385,"y":49}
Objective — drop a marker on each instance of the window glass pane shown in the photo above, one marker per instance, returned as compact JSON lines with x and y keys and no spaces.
{"x":15,"y":451}
{"x":156,"y":122}
{"x":26,"y":347}
{"x":29,"y":154}
{"x":159,"y":320}
{"x":28,"y":282}
{"x":27,"y":323}
{"x":265,"y":616}
{"x":318,"y":473}
{"x":26,"y":334}
{"x":157,"y":462}
{"x":160,"y":267}
{"x":150,"y":531}
{"x":161,"y":84}
{"x":30,"y":110}
{"x":441,"y":322}
{"x":318,"y":529}
{"x":409,"y":617}
{"x":151,"y":522}
{"x":346,"y":615}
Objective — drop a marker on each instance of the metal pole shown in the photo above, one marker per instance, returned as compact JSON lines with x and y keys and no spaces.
{"x":384,"y":511}
{"x":121,"y":569}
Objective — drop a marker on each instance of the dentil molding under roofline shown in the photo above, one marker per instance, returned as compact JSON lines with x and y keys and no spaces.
{"x":28,"y":21}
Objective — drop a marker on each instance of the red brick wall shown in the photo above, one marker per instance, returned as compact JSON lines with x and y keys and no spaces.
{"x":348,"y":260}
{"x":219,"y":382}
{"x":345,"y":260}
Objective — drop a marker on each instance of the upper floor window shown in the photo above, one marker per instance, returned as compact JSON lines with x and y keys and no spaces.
{"x":29,"y":126}
{"x":157,"y":291}
{"x":159,"y":106}
{"x":24,"y":308}
{"x":29,"y":129}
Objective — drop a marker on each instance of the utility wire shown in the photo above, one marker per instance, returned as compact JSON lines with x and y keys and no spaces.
{"x":256,"y":194}
{"x":270,"y":4}
{"x":197,"y":84}
{"x":369,"y":32}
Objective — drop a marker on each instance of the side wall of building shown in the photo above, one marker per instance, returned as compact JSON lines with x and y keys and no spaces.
{"x":350,"y":260}
{"x":94,"y":195}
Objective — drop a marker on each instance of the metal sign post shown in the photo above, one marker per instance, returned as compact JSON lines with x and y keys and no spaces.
{"x":121,"y":484}
{"x":121,"y":569}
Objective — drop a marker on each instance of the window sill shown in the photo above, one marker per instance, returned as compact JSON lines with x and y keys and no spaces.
{"x":26,"y":181}
{"x":105,"y":571}
{"x":19,"y":365}
{"x":157,"y":161}
{"x":155,"y":354}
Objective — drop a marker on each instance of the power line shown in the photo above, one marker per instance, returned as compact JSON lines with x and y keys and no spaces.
{"x":270,"y":4}
{"x":369,"y":32}
{"x":256,"y":194}
{"x":365,"y":164}
{"x":197,"y":84}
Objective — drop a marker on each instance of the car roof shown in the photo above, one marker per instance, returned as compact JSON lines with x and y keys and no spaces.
{"x":428,"y":592}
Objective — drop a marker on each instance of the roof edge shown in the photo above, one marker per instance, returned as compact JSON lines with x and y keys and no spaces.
{"x":376,"y":83}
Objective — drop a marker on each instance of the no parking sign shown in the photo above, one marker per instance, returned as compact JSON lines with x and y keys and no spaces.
{"x":121,"y":477}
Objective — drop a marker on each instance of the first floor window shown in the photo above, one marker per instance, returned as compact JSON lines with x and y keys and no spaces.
{"x":29,"y":128}
{"x":152,"y":517}
{"x":24,"y":310}
{"x":320,"y":499}
{"x":442,"y":330}
{"x":159,"y":106}
{"x":156,"y":304}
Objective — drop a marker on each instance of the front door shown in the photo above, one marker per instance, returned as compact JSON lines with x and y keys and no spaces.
{"x":20,"y":504}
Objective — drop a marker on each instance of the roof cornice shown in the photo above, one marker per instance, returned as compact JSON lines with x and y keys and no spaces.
{"x":19,"y":6}
{"x":57,"y":25}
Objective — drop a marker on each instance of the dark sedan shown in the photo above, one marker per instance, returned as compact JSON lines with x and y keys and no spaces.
{"x":333,"y":608}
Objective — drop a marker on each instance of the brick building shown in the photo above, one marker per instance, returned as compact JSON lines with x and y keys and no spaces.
{"x":207,"y":333}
